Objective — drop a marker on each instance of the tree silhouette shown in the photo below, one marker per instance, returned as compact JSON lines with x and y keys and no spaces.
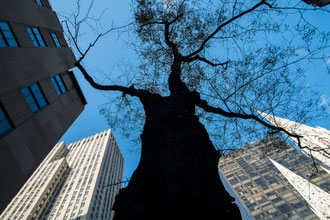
{"x":212,"y":61}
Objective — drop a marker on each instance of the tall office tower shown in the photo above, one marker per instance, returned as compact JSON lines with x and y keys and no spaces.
{"x":79,"y":181}
{"x":314,"y":138}
{"x":272,"y":180}
{"x":39,"y":97}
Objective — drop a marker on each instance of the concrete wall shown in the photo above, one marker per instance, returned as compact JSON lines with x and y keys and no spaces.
{"x":34,"y":133}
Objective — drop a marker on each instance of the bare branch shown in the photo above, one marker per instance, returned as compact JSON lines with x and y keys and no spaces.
{"x":272,"y":71}
{"x":197,"y":57}
{"x":167,"y":36}
{"x":74,"y":39}
{"x":117,"y":183}
{"x":204,"y":105}
{"x":300,"y":9}
{"x":263,"y":2}
{"x":126,"y":90}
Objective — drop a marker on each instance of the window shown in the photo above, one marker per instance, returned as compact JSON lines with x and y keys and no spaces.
{"x":325,"y":141}
{"x":34,"y":97}
{"x":58,"y":84}
{"x":39,"y":2}
{"x":4,"y":123}
{"x":245,"y":165}
{"x":284,"y":208}
{"x":7,"y":38}
{"x":36,"y":37}
{"x":233,"y":181}
{"x":55,"y":39}
{"x":261,"y":183}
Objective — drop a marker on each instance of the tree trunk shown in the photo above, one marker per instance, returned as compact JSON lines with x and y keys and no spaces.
{"x":177,"y":177}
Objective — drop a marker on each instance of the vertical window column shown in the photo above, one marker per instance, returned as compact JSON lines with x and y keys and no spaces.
{"x":34,"y":97}
{"x":7,"y":38}
{"x":58,"y":84}
{"x":36,"y":37}
{"x":39,"y":2}
{"x":55,"y":39}
{"x":4,"y":123}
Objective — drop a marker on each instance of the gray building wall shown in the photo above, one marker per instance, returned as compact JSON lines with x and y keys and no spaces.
{"x":33,"y":134}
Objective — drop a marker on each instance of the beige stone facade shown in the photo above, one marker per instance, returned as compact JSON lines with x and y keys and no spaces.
{"x":39,"y":97}
{"x":78,"y":181}
{"x":315,"y":141}
{"x":272,"y":180}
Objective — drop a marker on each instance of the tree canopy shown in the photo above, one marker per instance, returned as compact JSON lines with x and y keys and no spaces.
{"x":238,"y":56}
{"x":203,"y":62}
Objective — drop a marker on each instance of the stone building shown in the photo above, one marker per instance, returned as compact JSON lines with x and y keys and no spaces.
{"x":39,"y":97}
{"x":78,"y":181}
{"x":272,"y":180}
{"x":316,"y":140}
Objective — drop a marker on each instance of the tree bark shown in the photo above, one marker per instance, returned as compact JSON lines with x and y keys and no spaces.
{"x":177,"y":177}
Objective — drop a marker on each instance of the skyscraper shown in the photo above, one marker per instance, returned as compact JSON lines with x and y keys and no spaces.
{"x":79,"y":181}
{"x":316,"y":138}
{"x":39,"y":97}
{"x":272,"y":180}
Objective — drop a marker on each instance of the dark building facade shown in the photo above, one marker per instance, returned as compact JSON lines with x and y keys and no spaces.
{"x":273,"y":180}
{"x":39,"y":97}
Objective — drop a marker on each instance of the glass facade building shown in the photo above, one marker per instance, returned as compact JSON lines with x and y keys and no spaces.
{"x":273,"y":180}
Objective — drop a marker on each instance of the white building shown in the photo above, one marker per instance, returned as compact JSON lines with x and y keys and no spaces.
{"x":316,"y":138}
{"x":79,"y":181}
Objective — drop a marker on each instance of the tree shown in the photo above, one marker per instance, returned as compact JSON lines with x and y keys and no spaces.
{"x":211,"y":61}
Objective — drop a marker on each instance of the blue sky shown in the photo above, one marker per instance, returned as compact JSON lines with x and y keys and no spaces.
{"x":109,"y":51}
{"x":90,"y":121}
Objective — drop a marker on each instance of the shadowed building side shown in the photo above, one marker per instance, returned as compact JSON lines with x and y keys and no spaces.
{"x":39,"y":97}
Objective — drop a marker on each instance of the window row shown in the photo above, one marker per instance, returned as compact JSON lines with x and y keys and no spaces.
{"x":7,"y":38}
{"x":35,"y":98}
